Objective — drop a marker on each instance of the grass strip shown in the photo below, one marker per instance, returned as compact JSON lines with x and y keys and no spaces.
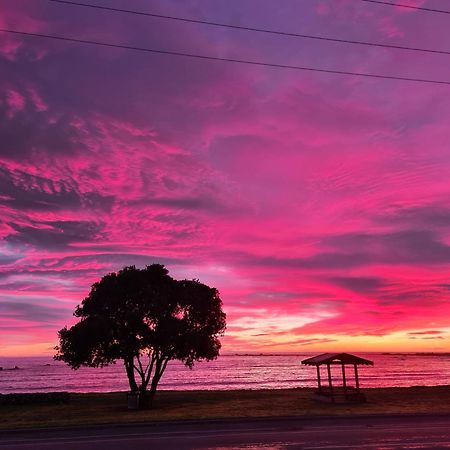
{"x":107,"y":408}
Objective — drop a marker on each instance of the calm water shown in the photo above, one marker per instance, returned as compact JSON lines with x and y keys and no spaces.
{"x":227,"y":372}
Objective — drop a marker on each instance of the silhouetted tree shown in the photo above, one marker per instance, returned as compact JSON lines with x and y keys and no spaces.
{"x":145,"y":318}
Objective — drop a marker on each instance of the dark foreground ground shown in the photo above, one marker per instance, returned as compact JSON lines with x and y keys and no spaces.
{"x":96,"y":409}
{"x":365,"y":433}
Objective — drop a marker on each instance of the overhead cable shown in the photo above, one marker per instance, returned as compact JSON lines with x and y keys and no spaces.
{"x":402,"y":5}
{"x":216,"y":58}
{"x":252,"y":29}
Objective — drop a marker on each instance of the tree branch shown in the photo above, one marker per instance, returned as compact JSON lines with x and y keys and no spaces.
{"x":164,"y":367}
{"x":140,"y":364}
{"x":136,"y":368}
{"x":149,"y":373}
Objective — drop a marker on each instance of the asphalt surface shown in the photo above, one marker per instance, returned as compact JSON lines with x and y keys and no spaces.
{"x":381,"y":433}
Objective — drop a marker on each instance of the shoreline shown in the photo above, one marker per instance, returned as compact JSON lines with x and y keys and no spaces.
{"x":174,"y":406}
{"x":258,"y":389}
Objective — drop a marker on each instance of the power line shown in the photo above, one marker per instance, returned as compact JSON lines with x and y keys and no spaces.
{"x":258,"y":30}
{"x":400,"y":5}
{"x":216,"y":58}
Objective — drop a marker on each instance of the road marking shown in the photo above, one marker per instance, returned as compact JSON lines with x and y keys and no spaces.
{"x":153,"y":434}
{"x":293,"y":429}
{"x":161,"y":434}
{"x":377,"y":445}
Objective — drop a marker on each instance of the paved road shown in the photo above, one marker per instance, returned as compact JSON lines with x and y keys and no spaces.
{"x":271,"y":434}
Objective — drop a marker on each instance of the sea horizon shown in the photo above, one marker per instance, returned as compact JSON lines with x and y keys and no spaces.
{"x":228,"y":372}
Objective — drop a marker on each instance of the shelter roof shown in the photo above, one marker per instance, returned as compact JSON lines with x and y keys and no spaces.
{"x":336,"y":358}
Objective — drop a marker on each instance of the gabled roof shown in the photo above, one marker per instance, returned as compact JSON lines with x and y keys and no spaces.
{"x":336,"y":358}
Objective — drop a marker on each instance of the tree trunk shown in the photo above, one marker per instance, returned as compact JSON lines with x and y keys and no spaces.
{"x":146,"y":396}
{"x":129,"y":367}
{"x":154,"y":384}
{"x":145,"y":400}
{"x":160,"y":367}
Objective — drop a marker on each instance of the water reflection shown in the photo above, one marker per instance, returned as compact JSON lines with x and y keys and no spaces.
{"x":227,"y":372}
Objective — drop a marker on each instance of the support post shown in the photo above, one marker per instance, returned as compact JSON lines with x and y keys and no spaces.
{"x":330,"y":382}
{"x":318,"y":379}
{"x":356,"y":378}
{"x":344,"y":382}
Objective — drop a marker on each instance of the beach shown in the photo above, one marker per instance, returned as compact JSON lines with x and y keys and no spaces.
{"x":111,"y":408}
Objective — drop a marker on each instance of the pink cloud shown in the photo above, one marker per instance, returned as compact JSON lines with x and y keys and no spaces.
{"x":316,"y":204}
{"x":16,"y":102}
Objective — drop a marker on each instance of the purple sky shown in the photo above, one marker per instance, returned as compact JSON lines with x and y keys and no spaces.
{"x":317,"y":204}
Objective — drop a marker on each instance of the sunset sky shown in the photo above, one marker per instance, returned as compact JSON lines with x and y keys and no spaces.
{"x":318,"y":204}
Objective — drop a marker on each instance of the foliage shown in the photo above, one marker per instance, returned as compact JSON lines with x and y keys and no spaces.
{"x":145,"y":318}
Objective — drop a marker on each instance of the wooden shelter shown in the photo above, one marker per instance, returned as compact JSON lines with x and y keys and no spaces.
{"x":332,"y":393}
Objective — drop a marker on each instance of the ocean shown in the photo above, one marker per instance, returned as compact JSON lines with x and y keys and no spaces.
{"x":42,"y":374}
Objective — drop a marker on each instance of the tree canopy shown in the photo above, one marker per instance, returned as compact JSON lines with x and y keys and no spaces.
{"x":145,"y":318}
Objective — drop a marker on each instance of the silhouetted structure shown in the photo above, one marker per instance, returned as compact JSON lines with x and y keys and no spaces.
{"x":345,"y":393}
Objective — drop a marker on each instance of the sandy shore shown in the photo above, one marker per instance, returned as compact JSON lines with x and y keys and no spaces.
{"x":89,"y":409}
